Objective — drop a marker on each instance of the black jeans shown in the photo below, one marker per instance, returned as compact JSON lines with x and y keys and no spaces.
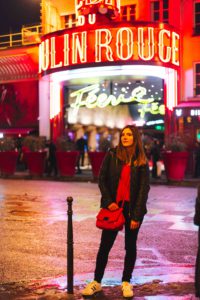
{"x":107,"y":240}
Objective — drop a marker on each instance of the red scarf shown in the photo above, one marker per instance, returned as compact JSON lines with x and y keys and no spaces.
{"x":123,"y":190}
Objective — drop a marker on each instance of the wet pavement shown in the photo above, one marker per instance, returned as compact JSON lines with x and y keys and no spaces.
{"x":34,"y":242}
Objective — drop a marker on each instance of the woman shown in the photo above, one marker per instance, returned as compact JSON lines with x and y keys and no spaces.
{"x":197,"y":222}
{"x":124,"y":176}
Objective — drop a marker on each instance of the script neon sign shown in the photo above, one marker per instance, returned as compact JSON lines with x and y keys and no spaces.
{"x":107,"y":45}
{"x":89,"y":97}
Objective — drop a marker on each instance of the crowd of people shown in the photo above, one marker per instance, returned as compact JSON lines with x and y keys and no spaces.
{"x":153,"y":150}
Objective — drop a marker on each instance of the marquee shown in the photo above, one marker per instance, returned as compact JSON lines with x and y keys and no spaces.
{"x":124,"y":42}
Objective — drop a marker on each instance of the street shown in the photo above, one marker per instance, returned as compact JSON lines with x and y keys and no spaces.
{"x":34,"y":239}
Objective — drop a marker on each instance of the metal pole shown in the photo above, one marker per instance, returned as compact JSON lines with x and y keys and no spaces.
{"x":70,"y":250}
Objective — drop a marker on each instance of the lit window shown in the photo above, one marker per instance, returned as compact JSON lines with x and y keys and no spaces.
{"x":197,"y":79}
{"x":197,"y":17}
{"x":160,"y":10}
{"x":128,"y":13}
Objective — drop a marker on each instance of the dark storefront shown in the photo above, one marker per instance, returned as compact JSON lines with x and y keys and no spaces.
{"x":187,"y":120}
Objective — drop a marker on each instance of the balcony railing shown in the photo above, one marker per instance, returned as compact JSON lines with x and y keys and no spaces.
{"x":28,"y":36}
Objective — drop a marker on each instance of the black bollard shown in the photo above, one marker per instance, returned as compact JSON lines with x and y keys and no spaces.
{"x":70,"y":250}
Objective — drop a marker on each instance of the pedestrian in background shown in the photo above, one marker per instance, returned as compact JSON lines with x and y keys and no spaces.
{"x":197,"y":222}
{"x":155,"y":155}
{"x":104,"y":143}
{"x":124,"y":177}
{"x":197,"y":160}
{"x":81,"y":146}
{"x":51,"y":160}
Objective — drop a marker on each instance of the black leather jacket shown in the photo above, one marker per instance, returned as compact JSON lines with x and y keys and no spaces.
{"x":139,"y":187}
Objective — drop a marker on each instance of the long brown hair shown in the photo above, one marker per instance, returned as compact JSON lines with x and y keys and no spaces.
{"x":135,"y":152}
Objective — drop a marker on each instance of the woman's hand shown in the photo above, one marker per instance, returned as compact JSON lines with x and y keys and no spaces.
{"x":134,"y":224}
{"x":113,"y":206}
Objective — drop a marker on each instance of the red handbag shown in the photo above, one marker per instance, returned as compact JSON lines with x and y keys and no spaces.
{"x":110,"y":220}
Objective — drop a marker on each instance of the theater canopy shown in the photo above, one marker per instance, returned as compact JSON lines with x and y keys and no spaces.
{"x":188,"y":108}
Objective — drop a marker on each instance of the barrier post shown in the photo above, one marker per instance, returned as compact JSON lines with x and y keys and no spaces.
{"x":70,"y":250}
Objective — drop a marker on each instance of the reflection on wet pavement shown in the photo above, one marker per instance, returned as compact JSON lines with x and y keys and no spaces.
{"x":34,"y":241}
{"x":20,"y":208}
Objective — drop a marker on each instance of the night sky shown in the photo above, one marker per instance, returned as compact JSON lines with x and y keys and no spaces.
{"x":15,"y":13}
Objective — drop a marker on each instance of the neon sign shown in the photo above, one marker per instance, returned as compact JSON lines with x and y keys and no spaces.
{"x":88,"y":10}
{"x":107,"y":45}
{"x":82,"y":3}
{"x":90,"y":97}
{"x":195,"y":112}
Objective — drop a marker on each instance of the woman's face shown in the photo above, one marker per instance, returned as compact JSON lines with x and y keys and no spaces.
{"x":127,"y":137}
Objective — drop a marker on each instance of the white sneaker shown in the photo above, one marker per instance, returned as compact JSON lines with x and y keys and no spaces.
{"x":91,"y":288}
{"x":127,"y":289}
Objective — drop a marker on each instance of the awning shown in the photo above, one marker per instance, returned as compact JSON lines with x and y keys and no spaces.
{"x":188,"y":104}
{"x":17,"y":67}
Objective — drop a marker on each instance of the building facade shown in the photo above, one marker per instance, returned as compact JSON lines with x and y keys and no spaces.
{"x":102,"y":64}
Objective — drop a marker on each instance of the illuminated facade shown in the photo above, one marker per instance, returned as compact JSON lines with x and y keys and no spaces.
{"x":107,"y":68}
{"x":107,"y":63}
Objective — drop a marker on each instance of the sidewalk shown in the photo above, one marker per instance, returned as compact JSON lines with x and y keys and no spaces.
{"x":86,"y":176}
{"x":33,"y":242}
{"x":150,"y":291}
